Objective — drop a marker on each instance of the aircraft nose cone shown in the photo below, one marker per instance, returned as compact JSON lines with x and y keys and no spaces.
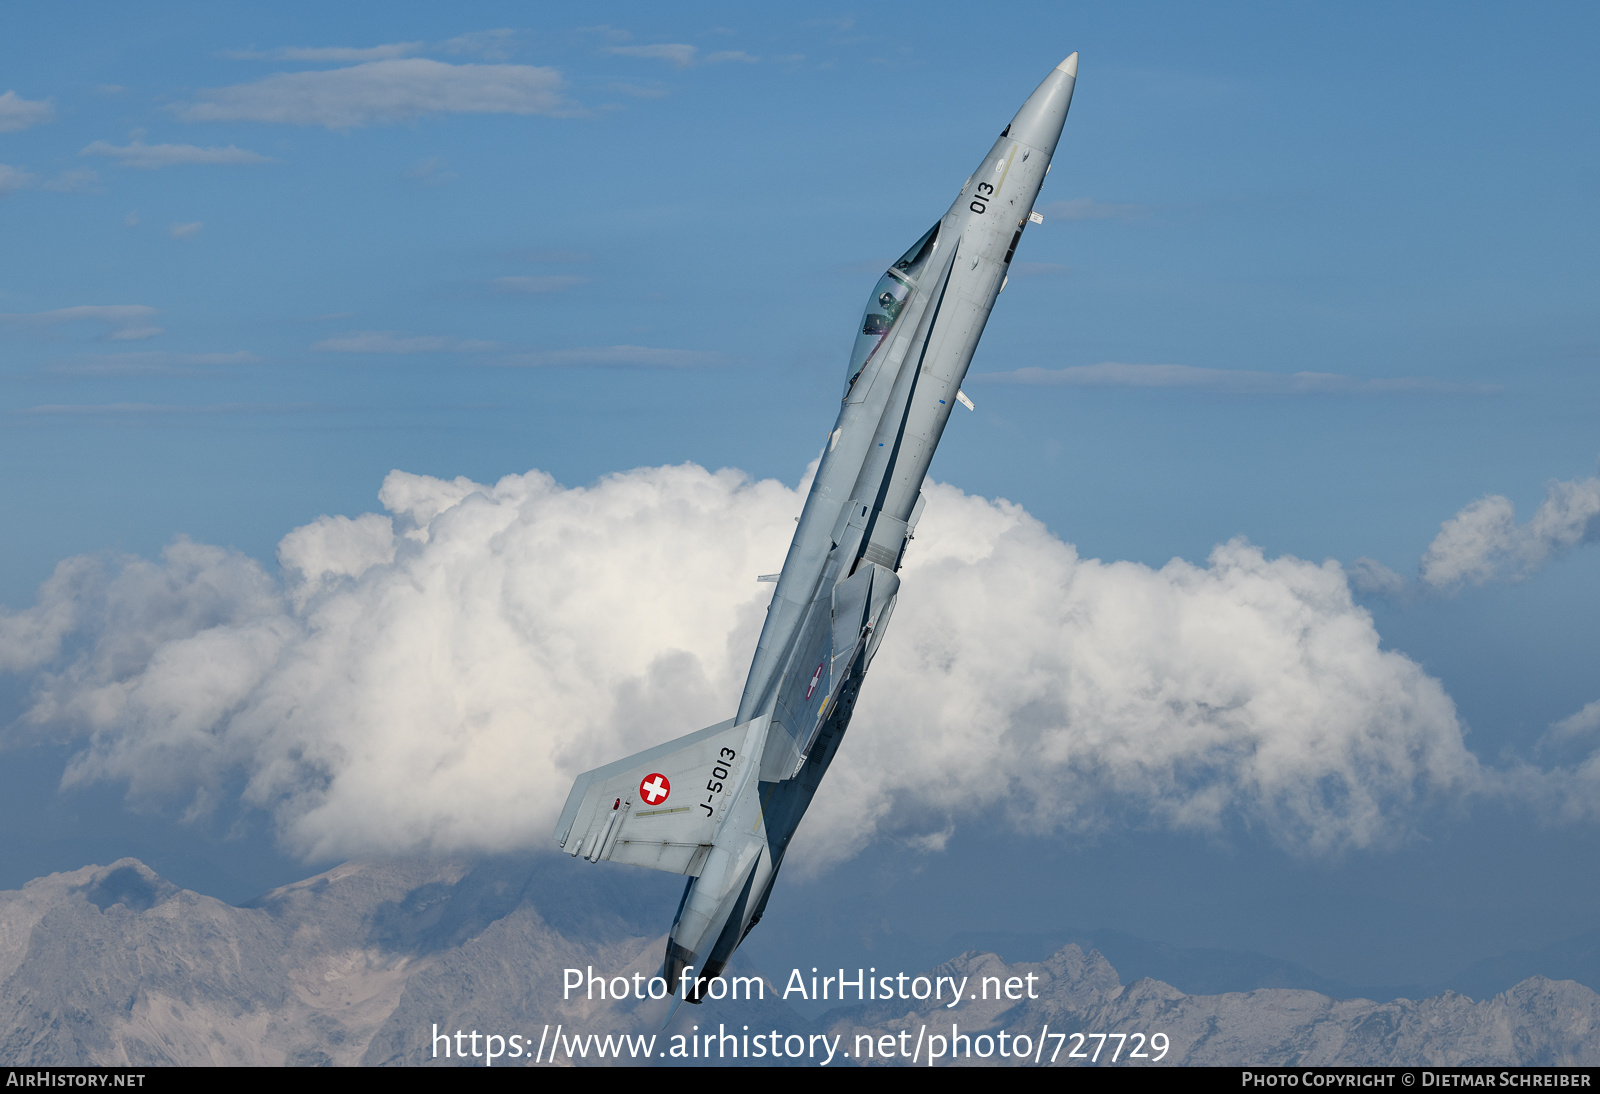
{"x":1039,"y":121}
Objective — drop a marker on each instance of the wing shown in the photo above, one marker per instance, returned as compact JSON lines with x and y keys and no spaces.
{"x":658,"y":808}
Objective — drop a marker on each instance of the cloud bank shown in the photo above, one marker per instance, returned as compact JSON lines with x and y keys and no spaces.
{"x":388,"y":341}
{"x":124,"y":322}
{"x":1483,"y":542}
{"x":1236,"y":381}
{"x":489,"y":43}
{"x":149,"y":363}
{"x":19,"y":113}
{"x":384,"y":91}
{"x":433,"y":677}
{"x":533,"y":286}
{"x":327,"y":54}
{"x":613,"y":357}
{"x":680,"y":55}
{"x":151,"y":156}
{"x":13,"y":179}
{"x":1586,"y":720}
{"x":1090,"y":209}
{"x":397,"y":342}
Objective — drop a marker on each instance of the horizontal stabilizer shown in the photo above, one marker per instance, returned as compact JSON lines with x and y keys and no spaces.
{"x":658,"y":808}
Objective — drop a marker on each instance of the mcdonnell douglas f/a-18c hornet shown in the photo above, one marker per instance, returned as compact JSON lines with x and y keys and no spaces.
{"x":722,"y":804}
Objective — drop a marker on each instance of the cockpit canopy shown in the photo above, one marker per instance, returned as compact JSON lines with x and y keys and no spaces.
{"x":888,"y":299}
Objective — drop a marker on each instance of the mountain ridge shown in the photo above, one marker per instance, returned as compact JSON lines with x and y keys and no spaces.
{"x":367,"y":962}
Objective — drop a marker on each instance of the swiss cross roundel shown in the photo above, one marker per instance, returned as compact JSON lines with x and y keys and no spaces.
{"x":654,"y":788}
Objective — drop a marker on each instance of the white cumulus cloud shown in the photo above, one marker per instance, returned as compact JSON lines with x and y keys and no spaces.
{"x":1064,"y":692}
{"x":433,"y":677}
{"x":1368,"y":575}
{"x":392,"y":90}
{"x":1484,"y":542}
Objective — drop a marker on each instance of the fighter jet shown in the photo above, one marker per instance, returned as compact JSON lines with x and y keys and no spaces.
{"x":722,"y":804}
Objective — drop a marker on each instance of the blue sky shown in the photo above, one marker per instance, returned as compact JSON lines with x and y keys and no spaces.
{"x":257,"y":259}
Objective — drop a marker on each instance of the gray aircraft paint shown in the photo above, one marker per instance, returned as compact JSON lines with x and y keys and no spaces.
{"x":838,"y":585}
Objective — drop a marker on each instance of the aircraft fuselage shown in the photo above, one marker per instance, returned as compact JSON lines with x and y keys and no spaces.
{"x":726,"y":801}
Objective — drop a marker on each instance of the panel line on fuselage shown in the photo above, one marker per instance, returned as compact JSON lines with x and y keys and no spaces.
{"x":1001,"y":184}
